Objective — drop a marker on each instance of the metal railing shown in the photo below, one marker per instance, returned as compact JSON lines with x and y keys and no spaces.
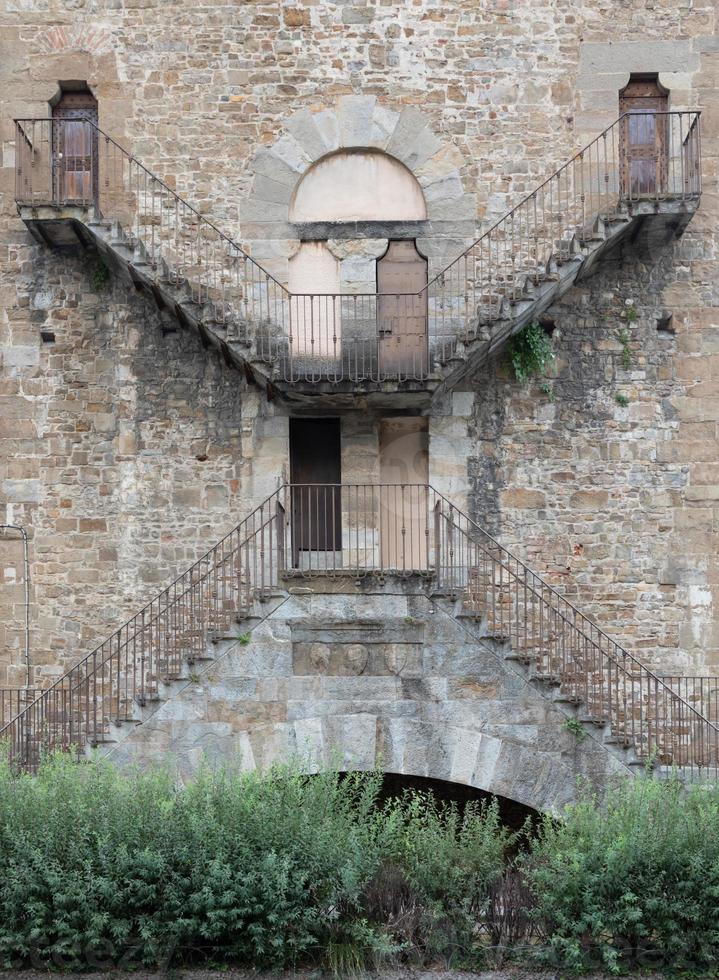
{"x":608,"y":177}
{"x":702,"y":692}
{"x":359,"y":336}
{"x":558,"y":642}
{"x":13,"y":700}
{"x":360,"y":530}
{"x":154,"y":646}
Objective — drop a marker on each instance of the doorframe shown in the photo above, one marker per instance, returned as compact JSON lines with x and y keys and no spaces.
{"x":425,"y":290}
{"x":660,"y":133}
{"x":74,"y":88}
{"x":298,"y":498}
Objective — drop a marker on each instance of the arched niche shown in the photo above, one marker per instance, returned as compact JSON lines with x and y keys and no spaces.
{"x":358,"y":185}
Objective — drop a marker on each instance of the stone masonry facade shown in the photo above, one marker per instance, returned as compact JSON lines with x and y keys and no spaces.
{"x":127,"y":448}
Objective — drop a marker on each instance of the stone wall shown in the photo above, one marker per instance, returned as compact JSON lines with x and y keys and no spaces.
{"x":583,"y":473}
{"x":121,"y":451}
{"x":126,"y":452}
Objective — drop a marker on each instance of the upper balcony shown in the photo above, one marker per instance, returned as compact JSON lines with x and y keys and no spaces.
{"x":76,"y":184}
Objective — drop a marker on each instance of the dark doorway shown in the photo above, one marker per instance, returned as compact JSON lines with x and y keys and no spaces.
{"x":75,"y":147}
{"x":315,"y":474}
{"x":643,"y":143}
{"x":402,"y":311}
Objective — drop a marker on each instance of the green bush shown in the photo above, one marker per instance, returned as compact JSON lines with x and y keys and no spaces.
{"x":264,"y":870}
{"x":233,"y":866}
{"x":441,"y":863}
{"x":633,"y":884}
{"x":101,"y":868}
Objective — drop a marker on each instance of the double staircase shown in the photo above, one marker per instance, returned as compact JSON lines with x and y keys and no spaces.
{"x":301,"y":346}
{"x":387,"y":531}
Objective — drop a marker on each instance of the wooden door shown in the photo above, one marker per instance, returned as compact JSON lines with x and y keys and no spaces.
{"x":402,"y":311}
{"x":643,"y":138}
{"x":75,"y":149}
{"x":315,"y":474}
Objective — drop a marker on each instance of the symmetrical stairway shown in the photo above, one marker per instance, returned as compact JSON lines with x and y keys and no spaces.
{"x":405,"y":530}
{"x":302,"y":346}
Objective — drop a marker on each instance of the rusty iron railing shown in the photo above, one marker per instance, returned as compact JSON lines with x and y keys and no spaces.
{"x":333,"y":337}
{"x":702,"y":692}
{"x":13,"y":700}
{"x":152,"y":647}
{"x":558,"y":642}
{"x":361,"y":530}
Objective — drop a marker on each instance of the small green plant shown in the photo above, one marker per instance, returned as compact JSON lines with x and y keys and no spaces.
{"x":530,"y":352}
{"x":623,"y":338}
{"x":547,"y":389}
{"x":576,"y":728}
{"x":100,"y":276}
{"x":244,"y":639}
{"x":621,"y":399}
{"x":631,"y":314}
{"x":410,"y":621}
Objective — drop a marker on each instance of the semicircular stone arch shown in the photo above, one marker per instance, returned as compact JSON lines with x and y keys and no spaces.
{"x":358,"y":123}
{"x":358,"y":185}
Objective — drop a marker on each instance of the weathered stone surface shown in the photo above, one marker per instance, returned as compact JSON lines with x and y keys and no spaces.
{"x":467,"y":716}
{"x":114,"y":421}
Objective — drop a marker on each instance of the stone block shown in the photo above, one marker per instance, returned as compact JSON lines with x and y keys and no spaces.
{"x":623,"y":57}
{"x":523,"y":498}
{"x":303,"y":126}
{"x":354,"y":118}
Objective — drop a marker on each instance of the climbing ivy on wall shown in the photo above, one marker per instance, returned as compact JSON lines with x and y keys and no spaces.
{"x":530,"y":352}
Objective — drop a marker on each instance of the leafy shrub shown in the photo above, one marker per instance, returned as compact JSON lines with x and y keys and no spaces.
{"x":636,"y":883}
{"x":250,"y":868}
{"x":105,"y":868}
{"x":265,"y":870}
{"x":438,"y":866}
{"x":530,"y":352}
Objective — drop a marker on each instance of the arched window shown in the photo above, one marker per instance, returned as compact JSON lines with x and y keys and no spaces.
{"x":358,"y":185}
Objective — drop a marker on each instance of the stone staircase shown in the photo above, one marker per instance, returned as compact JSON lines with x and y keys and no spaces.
{"x":143,"y":706}
{"x":374,"y":673}
{"x":304,"y":347}
{"x":525,"y":297}
{"x":581,"y":717}
{"x":210,"y":615}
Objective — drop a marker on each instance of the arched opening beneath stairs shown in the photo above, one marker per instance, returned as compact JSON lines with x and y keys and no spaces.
{"x":513,"y":814}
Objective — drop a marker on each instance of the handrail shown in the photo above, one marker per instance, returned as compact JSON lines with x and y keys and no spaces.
{"x":561,"y":599}
{"x":158,"y":180}
{"x":331,"y":529}
{"x":507,"y":216}
{"x":10,"y":700}
{"x":150,"y":617}
{"x":365,"y":335}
